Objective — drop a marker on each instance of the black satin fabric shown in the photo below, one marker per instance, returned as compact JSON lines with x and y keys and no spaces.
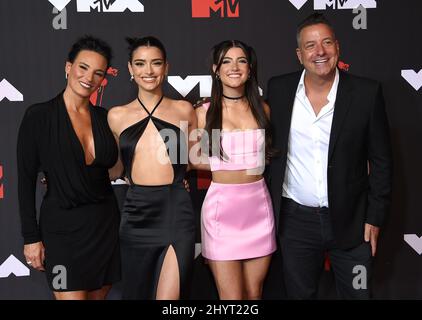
{"x":155,"y":218}
{"x":172,"y":136}
{"x":79,"y":216}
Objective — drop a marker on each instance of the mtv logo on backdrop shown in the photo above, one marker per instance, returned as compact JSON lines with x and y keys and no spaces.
{"x":1,"y":184}
{"x":226,"y":8}
{"x":344,"y":4}
{"x":336,"y":4}
{"x":101,"y":5}
{"x":413,"y":78}
{"x":185,"y":86}
{"x":9,"y":92}
{"x":13,"y":265}
{"x":97,"y":96}
{"x":414,"y":241}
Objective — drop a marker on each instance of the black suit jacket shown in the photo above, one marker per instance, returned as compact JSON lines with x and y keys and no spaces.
{"x":359,"y":136}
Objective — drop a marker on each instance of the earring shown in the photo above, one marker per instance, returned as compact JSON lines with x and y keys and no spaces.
{"x":217,"y":76}
{"x":65,"y":75}
{"x":131,"y":77}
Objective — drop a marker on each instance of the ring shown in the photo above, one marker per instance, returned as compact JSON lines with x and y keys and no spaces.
{"x":29,"y":262}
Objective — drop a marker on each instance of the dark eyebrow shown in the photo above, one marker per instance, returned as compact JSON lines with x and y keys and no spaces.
{"x":313,"y":41}
{"x":153,"y":60}
{"x":242,"y":57}
{"x":87,"y":65}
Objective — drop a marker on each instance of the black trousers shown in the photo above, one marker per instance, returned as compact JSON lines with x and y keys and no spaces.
{"x":305,"y":236}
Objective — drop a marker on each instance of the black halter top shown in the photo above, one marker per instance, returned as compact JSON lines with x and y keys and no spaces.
{"x":173,"y":138}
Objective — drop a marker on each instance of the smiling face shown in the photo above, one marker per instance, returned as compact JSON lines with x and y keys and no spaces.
{"x":234,"y":68}
{"x":86,"y":72}
{"x":148,"y":67}
{"x":318,"y":51}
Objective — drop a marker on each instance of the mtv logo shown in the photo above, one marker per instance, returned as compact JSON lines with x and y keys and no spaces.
{"x":59,"y":4}
{"x":13,"y":265}
{"x":185,"y":86}
{"x":344,"y":4}
{"x":10,"y":92}
{"x":298,"y":3}
{"x":414,"y":241}
{"x":226,"y":8}
{"x":413,"y":78}
{"x":109,"y":5}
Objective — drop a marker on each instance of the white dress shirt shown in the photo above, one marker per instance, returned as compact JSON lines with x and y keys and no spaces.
{"x":305,"y":179}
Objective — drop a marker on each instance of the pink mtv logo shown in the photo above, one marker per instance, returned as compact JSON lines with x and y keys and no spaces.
{"x":97,"y":97}
{"x":226,"y":8}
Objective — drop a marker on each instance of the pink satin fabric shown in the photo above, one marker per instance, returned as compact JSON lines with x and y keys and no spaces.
{"x":245,"y":149}
{"x":237,"y":222}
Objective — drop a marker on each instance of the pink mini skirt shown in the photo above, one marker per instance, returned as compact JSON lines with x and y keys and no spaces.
{"x":237,"y":221}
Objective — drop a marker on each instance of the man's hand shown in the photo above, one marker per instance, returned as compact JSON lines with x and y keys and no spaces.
{"x":371,"y":234}
{"x":34,"y":254}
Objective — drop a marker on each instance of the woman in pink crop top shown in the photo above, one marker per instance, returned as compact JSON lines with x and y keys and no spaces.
{"x":237,"y":221}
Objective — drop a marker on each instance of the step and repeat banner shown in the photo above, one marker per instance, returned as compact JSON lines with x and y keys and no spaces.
{"x":378,"y":39}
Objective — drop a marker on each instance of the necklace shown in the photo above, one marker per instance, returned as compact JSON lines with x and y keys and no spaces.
{"x":233,"y":98}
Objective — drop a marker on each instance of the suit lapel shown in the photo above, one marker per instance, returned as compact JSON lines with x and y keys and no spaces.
{"x":341,"y":107}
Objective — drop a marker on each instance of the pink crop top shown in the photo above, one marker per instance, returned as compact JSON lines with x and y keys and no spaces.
{"x":243,"y":150}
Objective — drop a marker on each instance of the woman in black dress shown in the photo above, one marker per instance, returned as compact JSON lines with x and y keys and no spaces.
{"x":76,"y":240}
{"x":158,"y":228}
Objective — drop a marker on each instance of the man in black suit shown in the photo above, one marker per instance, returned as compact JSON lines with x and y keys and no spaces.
{"x":331,"y":184}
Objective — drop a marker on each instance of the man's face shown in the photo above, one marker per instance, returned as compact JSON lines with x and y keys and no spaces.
{"x":318,"y":51}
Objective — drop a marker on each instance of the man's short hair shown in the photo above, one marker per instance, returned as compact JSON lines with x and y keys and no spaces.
{"x":313,"y":19}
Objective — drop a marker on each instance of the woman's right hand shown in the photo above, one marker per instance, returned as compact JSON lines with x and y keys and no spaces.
{"x":200,"y":102}
{"x":34,"y":254}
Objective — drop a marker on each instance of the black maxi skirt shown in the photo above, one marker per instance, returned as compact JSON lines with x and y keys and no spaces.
{"x":153,"y":219}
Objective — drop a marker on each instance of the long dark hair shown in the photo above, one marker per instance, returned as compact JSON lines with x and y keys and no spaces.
{"x":214,"y":117}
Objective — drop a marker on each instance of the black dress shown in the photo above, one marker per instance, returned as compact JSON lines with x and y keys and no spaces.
{"x":79,"y":216}
{"x":155,"y":217}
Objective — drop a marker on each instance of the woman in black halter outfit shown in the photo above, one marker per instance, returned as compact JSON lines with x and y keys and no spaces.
{"x":157,"y":229}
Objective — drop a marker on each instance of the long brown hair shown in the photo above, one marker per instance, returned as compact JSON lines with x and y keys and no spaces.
{"x":214,"y":117}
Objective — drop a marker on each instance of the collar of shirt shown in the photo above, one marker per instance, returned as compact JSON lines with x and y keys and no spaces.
{"x":331,"y":97}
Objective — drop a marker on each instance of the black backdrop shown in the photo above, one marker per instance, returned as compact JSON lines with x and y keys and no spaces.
{"x":35,"y":39}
